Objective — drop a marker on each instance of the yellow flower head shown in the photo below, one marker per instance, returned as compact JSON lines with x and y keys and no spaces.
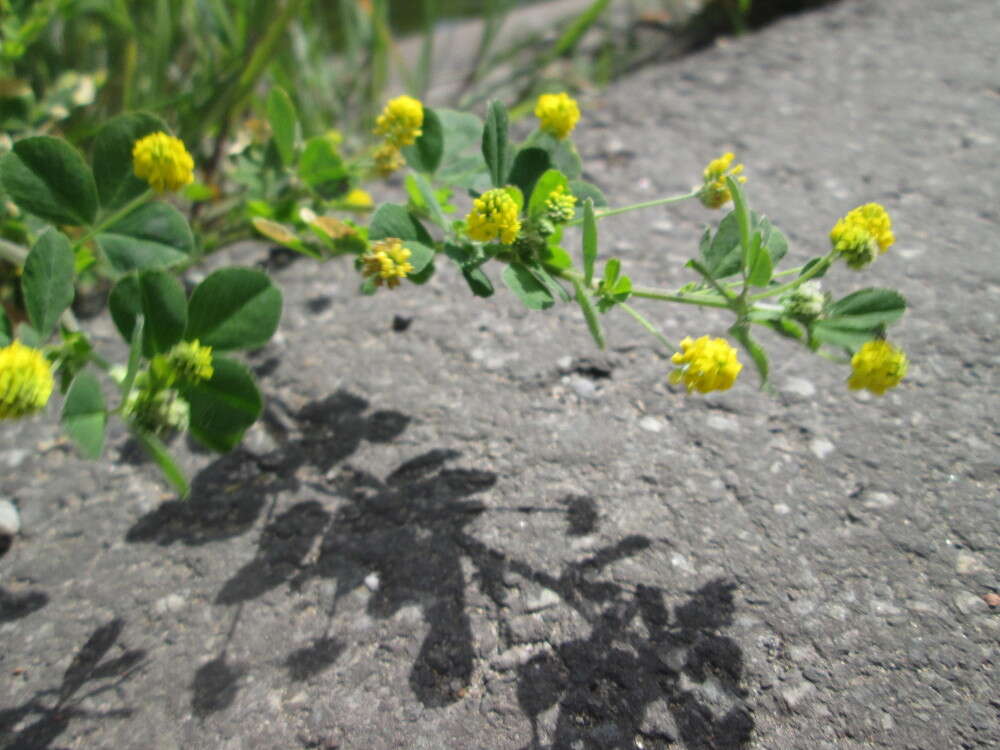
{"x":706,"y":365}
{"x":401,"y":121}
{"x":862,"y":235}
{"x":190,"y":362}
{"x":387,"y":159}
{"x":878,"y":366}
{"x":387,"y":262}
{"x":25,"y":380}
{"x":714,"y":192}
{"x":494,"y":216}
{"x":557,"y":114}
{"x":559,"y":205}
{"x":358,"y":200}
{"x":163,"y":162}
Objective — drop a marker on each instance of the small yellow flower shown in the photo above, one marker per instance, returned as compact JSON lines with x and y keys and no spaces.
{"x":25,"y":380}
{"x":878,"y":366}
{"x":706,"y":365}
{"x":163,"y":162}
{"x":559,"y":205}
{"x":358,"y":200}
{"x":714,"y":191}
{"x":387,"y":262}
{"x":558,"y":114}
{"x":401,"y":121}
{"x":862,"y":235}
{"x":190,"y":362}
{"x":494,"y":215}
{"x":387,"y":159}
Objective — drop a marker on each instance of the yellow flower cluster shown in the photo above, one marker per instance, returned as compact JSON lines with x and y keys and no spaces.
{"x":877,"y":366}
{"x":558,"y":114}
{"x":163,"y":162}
{"x":25,"y":380}
{"x":358,"y":200}
{"x":706,"y":365}
{"x":401,"y":121}
{"x":559,"y":205}
{"x":190,"y":362}
{"x":862,"y":235}
{"x":387,"y":262}
{"x":494,"y":216}
{"x":714,"y":192}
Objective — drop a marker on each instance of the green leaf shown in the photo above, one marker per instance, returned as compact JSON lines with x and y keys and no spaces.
{"x":28,"y":335}
{"x":234,"y":308}
{"x":723,"y":254}
{"x":554,"y":257}
{"x":589,"y":314}
{"x":584,"y":190}
{"x":759,"y":266}
{"x":495,"y":145}
{"x":428,"y":199}
{"x":84,"y":415}
{"x":155,"y":235}
{"x":322,"y":169}
{"x":478,"y":282}
{"x":756,"y":352}
{"x":549,"y":182}
{"x":866,"y":309}
{"x":425,"y":154}
{"x":223,"y":407}
{"x":6,"y":330}
{"x":47,"y":280}
{"x":112,"y":157}
{"x":159,"y":453}
{"x":813,"y":263}
{"x":420,"y":257}
{"x":520,"y":280}
{"x":159,"y":298}
{"x":393,"y":220}
{"x":529,"y":165}
{"x":611,"y":271}
{"x":283,"y":119}
{"x":554,"y":287}
{"x":48,"y":178}
{"x":590,"y":242}
{"x":564,"y":155}
{"x":742,"y":213}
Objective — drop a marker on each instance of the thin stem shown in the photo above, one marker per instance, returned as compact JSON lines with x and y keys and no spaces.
{"x":684,"y":299}
{"x":646,"y":324}
{"x":121,"y":213}
{"x":816,"y":269}
{"x":13,"y":253}
{"x":637,"y":206}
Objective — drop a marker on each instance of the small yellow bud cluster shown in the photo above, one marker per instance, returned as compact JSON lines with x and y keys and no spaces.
{"x":706,"y":365}
{"x":805,"y":301}
{"x":25,"y":380}
{"x":494,"y":216}
{"x":401,"y":121}
{"x":862,"y":235}
{"x":558,"y":114}
{"x":559,"y":206}
{"x":190,"y":362}
{"x":163,"y":162}
{"x":877,"y":366}
{"x":714,"y":192}
{"x":387,"y":262}
{"x":358,"y":200}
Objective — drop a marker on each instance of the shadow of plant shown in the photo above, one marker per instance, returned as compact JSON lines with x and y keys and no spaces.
{"x":56,"y":707}
{"x":15,"y":606}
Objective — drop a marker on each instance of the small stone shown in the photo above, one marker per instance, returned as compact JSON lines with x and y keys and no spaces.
{"x":885,"y":609}
{"x":821,"y":448}
{"x":516,"y":656}
{"x":992,"y":599}
{"x":14,"y":457}
{"x":583,"y":387}
{"x":651,"y":424}
{"x":968,"y":563}
{"x":565,"y":364}
{"x":169,"y":603}
{"x":968,"y":603}
{"x":800,"y":387}
{"x":876,"y":500}
{"x":372,"y":581}
{"x":10,"y":519}
{"x":682,"y":563}
{"x":662,"y":227}
{"x":546,"y":598}
{"x":781,"y":509}
{"x":795,"y":696}
{"x":722,"y":423}
{"x":527,"y":629}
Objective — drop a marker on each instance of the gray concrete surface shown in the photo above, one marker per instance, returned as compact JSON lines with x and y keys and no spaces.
{"x":479,"y":534}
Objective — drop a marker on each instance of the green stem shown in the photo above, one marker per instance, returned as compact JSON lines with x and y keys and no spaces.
{"x":818,"y":268}
{"x":684,"y":299}
{"x":121,"y":213}
{"x":637,"y":206}
{"x":646,"y":324}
